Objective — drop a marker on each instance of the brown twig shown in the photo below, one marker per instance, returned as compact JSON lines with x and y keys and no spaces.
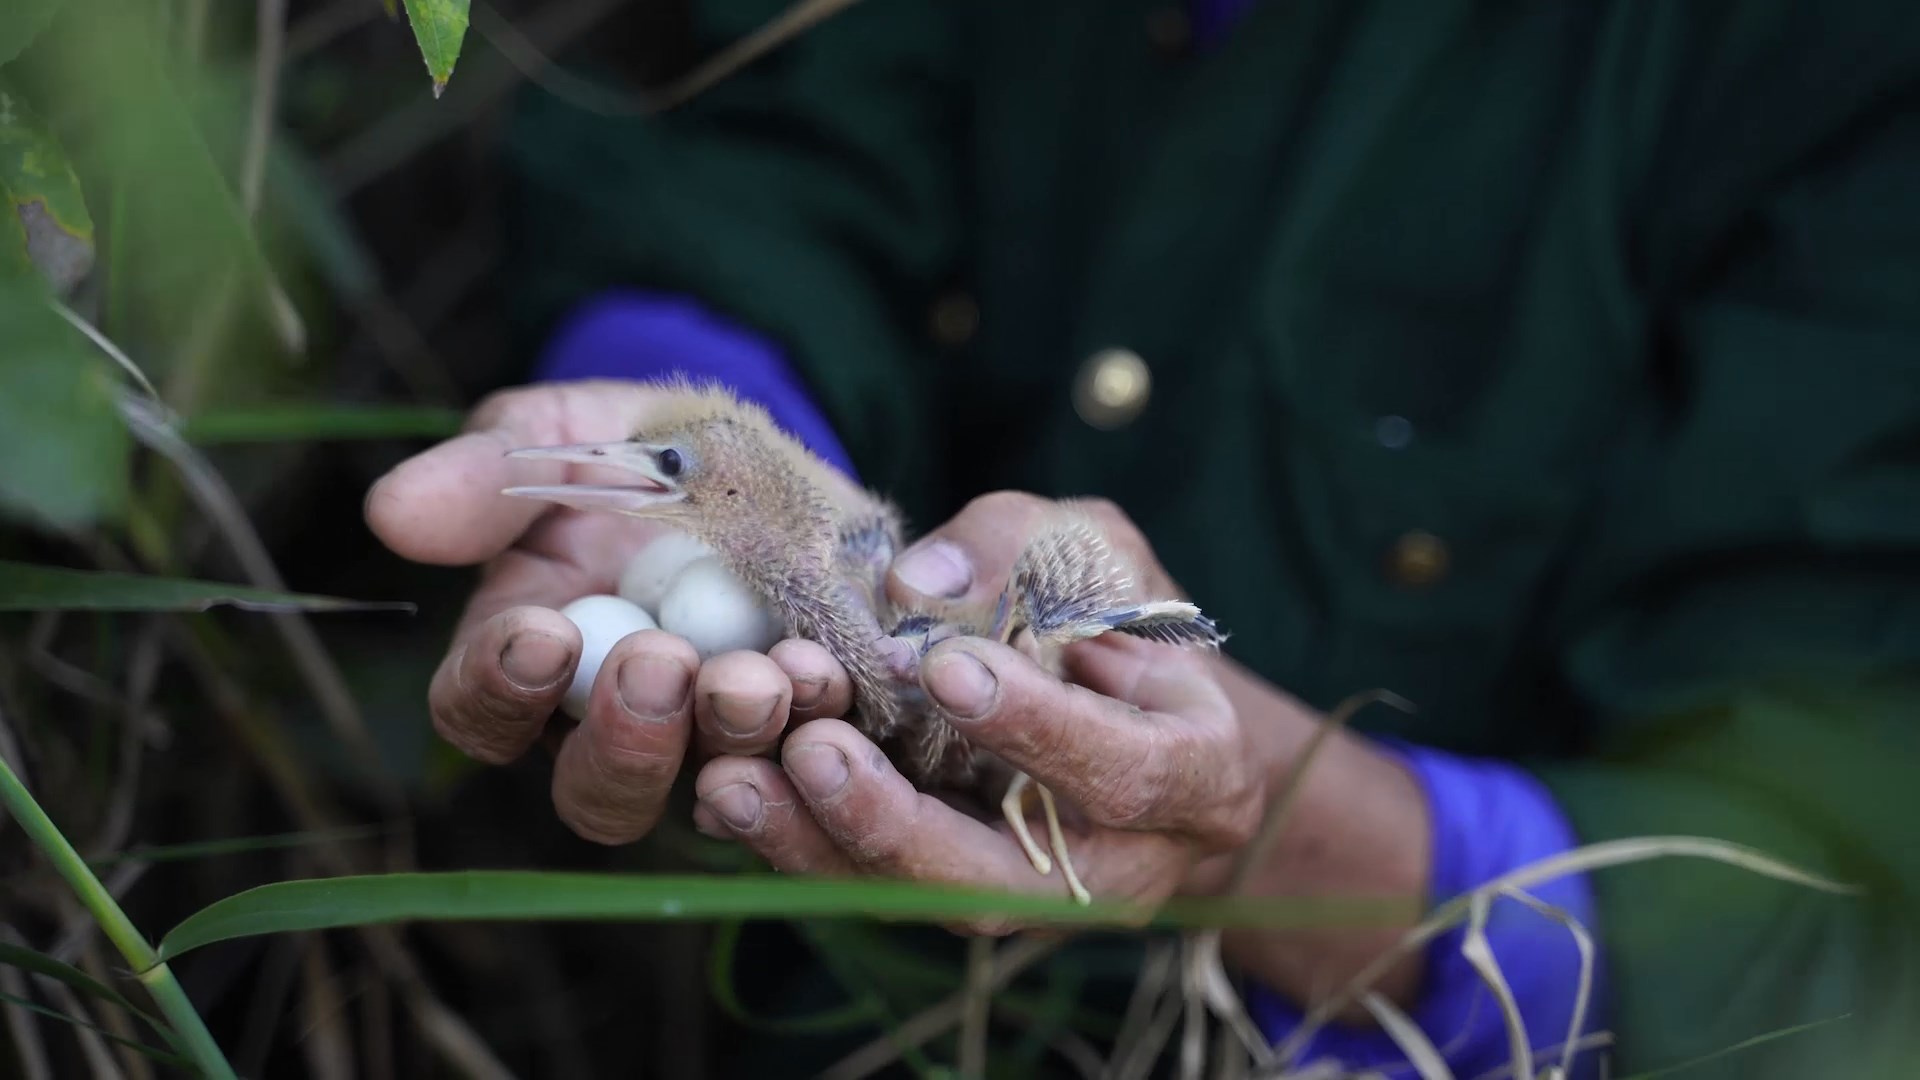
{"x":931,"y":1022}
{"x":978,"y":1008}
{"x":800,"y":16}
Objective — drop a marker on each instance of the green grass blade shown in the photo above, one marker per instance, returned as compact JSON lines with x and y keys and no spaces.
{"x":1744,"y":1044}
{"x":41,"y":964}
{"x":494,"y":895}
{"x":32,"y":587}
{"x":153,"y":1052}
{"x":189,"y":1029}
{"x":301,"y":423}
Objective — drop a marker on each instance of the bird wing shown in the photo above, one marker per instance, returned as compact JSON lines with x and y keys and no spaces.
{"x":869,"y":538}
{"x":1070,"y":584}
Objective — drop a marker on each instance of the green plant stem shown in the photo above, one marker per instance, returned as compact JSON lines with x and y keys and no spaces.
{"x":157,"y":977}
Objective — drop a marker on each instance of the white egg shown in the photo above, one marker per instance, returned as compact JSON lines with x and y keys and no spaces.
{"x":603,"y":621}
{"x":654,"y":567}
{"x":716,"y":611}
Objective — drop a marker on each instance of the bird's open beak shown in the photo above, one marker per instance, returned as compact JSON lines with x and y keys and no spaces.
{"x":653,"y":490}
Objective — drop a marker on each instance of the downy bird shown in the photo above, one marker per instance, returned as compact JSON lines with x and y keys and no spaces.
{"x":718,"y":468}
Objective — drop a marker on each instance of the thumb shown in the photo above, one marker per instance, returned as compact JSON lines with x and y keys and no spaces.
{"x":967,"y":560}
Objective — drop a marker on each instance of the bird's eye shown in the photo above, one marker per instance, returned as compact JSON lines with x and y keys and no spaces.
{"x":670,"y":463}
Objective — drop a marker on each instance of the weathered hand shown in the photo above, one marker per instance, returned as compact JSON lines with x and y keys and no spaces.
{"x":513,"y":653}
{"x":1140,"y":740}
{"x":1167,"y":758}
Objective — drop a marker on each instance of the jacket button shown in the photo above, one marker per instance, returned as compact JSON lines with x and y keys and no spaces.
{"x":1112,"y":388}
{"x":1419,"y":559}
{"x":953,"y":319}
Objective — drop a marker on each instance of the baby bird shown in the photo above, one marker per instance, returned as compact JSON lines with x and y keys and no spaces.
{"x":719,"y":469}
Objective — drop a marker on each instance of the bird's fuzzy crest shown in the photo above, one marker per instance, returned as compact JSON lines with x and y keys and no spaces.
{"x":752,"y":491}
{"x":763,"y":501}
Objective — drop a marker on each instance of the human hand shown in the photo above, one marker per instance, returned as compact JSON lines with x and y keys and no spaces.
{"x":1167,"y":759}
{"x":513,"y":653}
{"x":1140,"y":741}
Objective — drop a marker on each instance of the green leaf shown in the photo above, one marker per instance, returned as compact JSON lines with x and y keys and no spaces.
{"x":40,"y":192}
{"x":40,"y":964}
{"x":63,"y":447}
{"x":296,"y":423}
{"x":492,"y":895}
{"x":439,"y":26}
{"x":29,"y":587}
{"x":153,"y":1052}
{"x":20,"y":22}
{"x":122,"y":106}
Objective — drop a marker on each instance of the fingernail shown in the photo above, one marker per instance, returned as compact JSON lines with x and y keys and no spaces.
{"x":961,"y":684}
{"x":534,"y":661}
{"x":653,"y":688}
{"x":819,"y":769}
{"x":736,"y":804}
{"x":707,"y":822}
{"x":935,"y":568}
{"x":740,"y":714}
{"x":808,"y":692}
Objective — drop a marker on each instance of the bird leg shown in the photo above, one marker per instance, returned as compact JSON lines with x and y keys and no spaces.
{"x":1058,"y":839}
{"x":1012,"y":805}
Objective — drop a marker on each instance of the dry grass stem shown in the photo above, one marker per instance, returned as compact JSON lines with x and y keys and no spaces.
{"x":930,"y":1023}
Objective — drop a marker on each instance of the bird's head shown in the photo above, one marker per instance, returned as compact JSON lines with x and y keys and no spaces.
{"x":707,"y":464}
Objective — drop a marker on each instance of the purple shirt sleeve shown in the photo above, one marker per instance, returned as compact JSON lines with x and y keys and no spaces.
{"x":629,"y":334}
{"x":1488,"y":818}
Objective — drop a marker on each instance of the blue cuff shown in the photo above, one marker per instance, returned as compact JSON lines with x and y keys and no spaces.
{"x":1488,"y":818}
{"x":628,"y":334}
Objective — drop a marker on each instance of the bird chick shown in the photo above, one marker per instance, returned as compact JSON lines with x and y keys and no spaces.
{"x":719,"y":469}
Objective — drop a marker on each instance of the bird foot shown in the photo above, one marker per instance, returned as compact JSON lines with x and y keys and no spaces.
{"x":1012,"y":805}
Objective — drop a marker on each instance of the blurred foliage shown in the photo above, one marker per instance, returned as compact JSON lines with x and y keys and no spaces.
{"x":207,"y":720}
{"x":265,"y":213}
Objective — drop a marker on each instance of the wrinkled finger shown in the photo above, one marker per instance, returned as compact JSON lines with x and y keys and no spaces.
{"x":885,"y":826}
{"x":1173,"y":770}
{"x":443,"y":506}
{"x":820,"y":686}
{"x":614,"y":771}
{"x":497,"y":686}
{"x":740,"y":703}
{"x":968,"y":559}
{"x":751,"y":800}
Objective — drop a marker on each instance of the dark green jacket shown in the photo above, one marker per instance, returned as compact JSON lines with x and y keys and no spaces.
{"x":1556,"y":365}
